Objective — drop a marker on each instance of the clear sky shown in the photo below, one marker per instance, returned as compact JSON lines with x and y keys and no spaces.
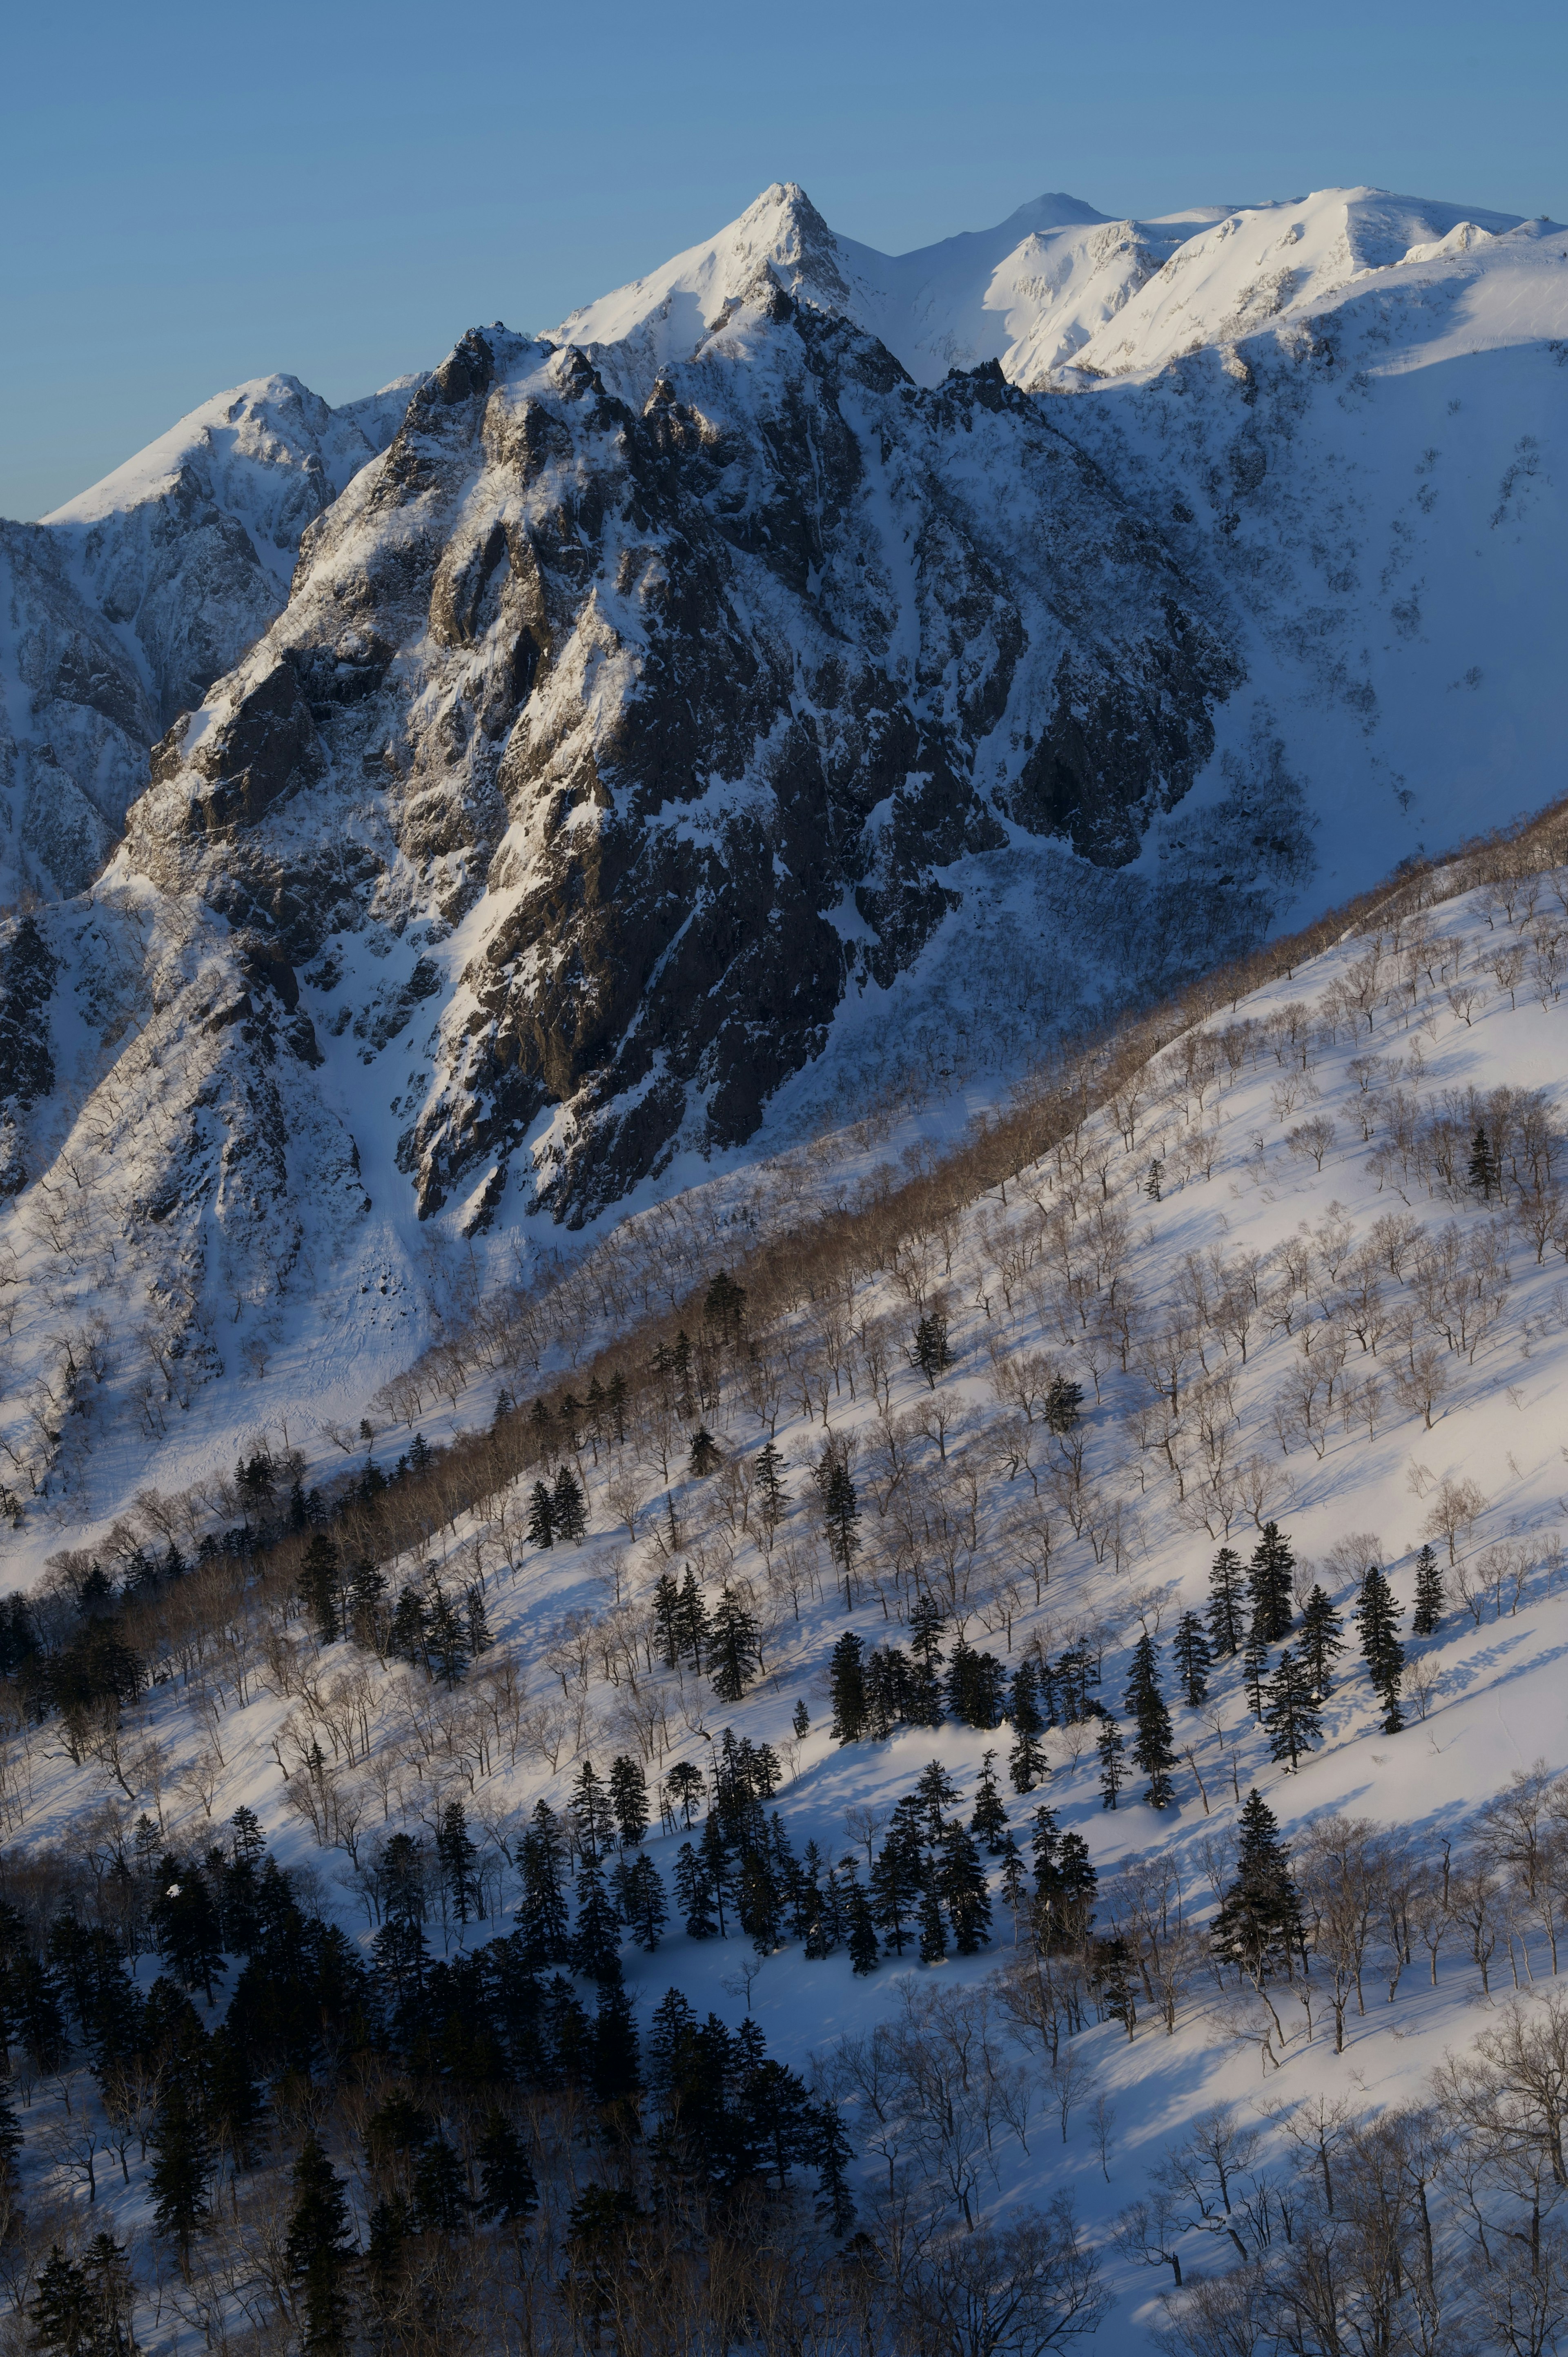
{"x":195,"y":195}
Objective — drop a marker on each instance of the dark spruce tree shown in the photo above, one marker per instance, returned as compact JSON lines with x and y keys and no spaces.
{"x":1152,"y":1751}
{"x":800,"y":1720}
{"x":318,"y":2253}
{"x":734,"y":1657}
{"x":640,"y":1895}
{"x":1227,"y":1604}
{"x":928,"y":1353}
{"x":1291,"y":1718}
{"x":846,"y":1682}
{"x":629,"y":1800}
{"x":541,"y":1917}
{"x":989,"y":1822}
{"x":960,"y":1879}
{"x":840,"y":1513}
{"x":319,"y":1584}
{"x":1254,"y":1667}
{"x":594,"y":1949}
{"x":864,"y":1949}
{"x":541,"y":1516}
{"x":1269,"y":1578}
{"x":508,"y":2192}
{"x":1027,"y":1763}
{"x":1322,"y":1642}
{"x":1376,"y":1617}
{"x":1483,"y":1173}
{"x":1430,"y":1596}
{"x":693,"y":1620}
{"x":1112,"y":1762}
{"x":705,"y":1457}
{"x":1258,"y":1925}
{"x":182,"y":2167}
{"x":767,"y":1472}
{"x":1189,"y":1650}
{"x":569,"y":1507}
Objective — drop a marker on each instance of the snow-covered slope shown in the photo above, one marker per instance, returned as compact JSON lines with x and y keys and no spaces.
{"x":1265,"y":1263}
{"x":168,"y":571}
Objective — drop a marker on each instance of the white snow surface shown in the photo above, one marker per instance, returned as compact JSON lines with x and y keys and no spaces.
{"x":1494,"y":1700}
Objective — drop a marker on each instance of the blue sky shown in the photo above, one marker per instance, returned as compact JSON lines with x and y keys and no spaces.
{"x":194,"y":195}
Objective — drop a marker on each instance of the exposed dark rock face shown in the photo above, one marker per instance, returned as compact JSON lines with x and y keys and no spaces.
{"x":688,"y":715}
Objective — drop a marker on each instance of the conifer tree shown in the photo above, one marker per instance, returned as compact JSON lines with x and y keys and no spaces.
{"x":929,"y":1353}
{"x":406,"y":1639}
{"x":1430,"y":1596}
{"x":508,"y":2191}
{"x":706,"y":1455}
{"x":693,"y":1625}
{"x":865,"y":1950}
{"x":594,"y":1949}
{"x":934,"y":1791}
{"x":1027,"y":1763}
{"x":1268,"y":1582}
{"x":847,"y":1686}
{"x":960,"y":1879}
{"x":1064,"y":1405}
{"x":1227,"y":1617}
{"x":1113,"y":1764}
{"x":616,"y":1393}
{"x":440,"y":2189}
{"x":840,"y":1513}
{"x":772,"y":1498}
{"x":723,"y":1306}
{"x":896,"y":1881}
{"x":542,"y":1915}
{"x":923,"y":1706}
{"x":1290,"y":1716}
{"x":629,"y":1799}
{"x":1258,"y":1925}
{"x":541,"y":1517}
{"x":319,"y":2252}
{"x":693,"y":1894}
{"x":733,"y":1655}
{"x":1255,"y":1664}
{"x":568,"y":1507}
{"x":1485,"y":1170}
{"x":1190,"y":1649}
{"x":1145,"y":1706}
{"x":641,"y":1894}
{"x":477,"y":1629}
{"x":445,"y":1638}
{"x":665,"y":1614}
{"x":800,"y":1720}
{"x":367,"y":1588}
{"x":317,"y":1586}
{"x":592,"y":1818}
{"x":182,"y":2167}
{"x":989,"y":1822}
{"x":933,"y":1941}
{"x":831,"y":2153}
{"x":1376,"y":1617}
{"x":1322,"y":1642}
{"x":456,"y":1854}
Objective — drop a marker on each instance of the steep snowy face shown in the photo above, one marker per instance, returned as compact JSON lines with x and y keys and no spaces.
{"x":1028,"y":294}
{"x":122,"y":606}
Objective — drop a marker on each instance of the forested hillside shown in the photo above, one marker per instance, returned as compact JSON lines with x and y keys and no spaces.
{"x":947,"y":1756}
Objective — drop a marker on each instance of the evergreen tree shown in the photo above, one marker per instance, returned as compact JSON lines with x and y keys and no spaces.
{"x":1227,"y":1620}
{"x":457,"y":1855}
{"x":592,"y":1818}
{"x":1258,"y":1925}
{"x":508,"y":2192}
{"x":705,"y":1458}
{"x":1321,"y":1643}
{"x":847,"y":1683}
{"x":1376,"y":1617}
{"x":406,"y":1639}
{"x":841,"y":1513}
{"x":82,"y":2308}
{"x":960,"y":1879}
{"x":933,"y":1941}
{"x":693,"y":1893}
{"x":923,"y":1704}
{"x":772,"y":1498}
{"x":319,"y":2252}
{"x":1268,"y":1582}
{"x":477,"y":1630}
{"x":440,"y":2189}
{"x":616,"y":1395}
{"x":830,"y":2155}
{"x":367,"y":1588}
{"x":1027,"y":1763}
{"x":1152,"y":1721}
{"x":976,"y":1687}
{"x":629,"y":1799}
{"x":1484,"y":1171}
{"x":187,"y":1927}
{"x":693,"y":1620}
{"x":641,"y":1894}
{"x":235,"y":2103}
{"x":1254,"y":1664}
{"x":568,"y":1507}
{"x":934,"y":1791}
{"x":734,"y":1655}
{"x":989,"y":1822}
{"x":1291,"y":1718}
{"x":865,"y":1950}
{"x":724,"y":1307}
{"x":594,"y":1949}
{"x":929,"y":1353}
{"x":182,"y":2167}
{"x":445,"y":1638}
{"x":616,"y":2068}
{"x":898,"y":1879}
{"x":1064,"y":1405}
{"x":541,"y":1513}
{"x":1429,"y":1593}
{"x":685,"y":1788}
{"x":1113,"y":1766}
{"x":543,"y":1916}
{"x":800,"y":1720}
{"x":317,"y":1586}
{"x":665,"y":1613}
{"x":1190,"y":1649}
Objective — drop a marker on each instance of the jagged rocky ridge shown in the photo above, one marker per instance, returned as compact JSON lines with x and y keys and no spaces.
{"x":721,"y":715}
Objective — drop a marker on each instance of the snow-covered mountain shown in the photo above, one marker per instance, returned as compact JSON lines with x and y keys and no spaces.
{"x":808,"y":680}
{"x":121,"y":608}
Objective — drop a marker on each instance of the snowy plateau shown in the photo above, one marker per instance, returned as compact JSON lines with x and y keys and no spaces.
{"x":721,"y":1035}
